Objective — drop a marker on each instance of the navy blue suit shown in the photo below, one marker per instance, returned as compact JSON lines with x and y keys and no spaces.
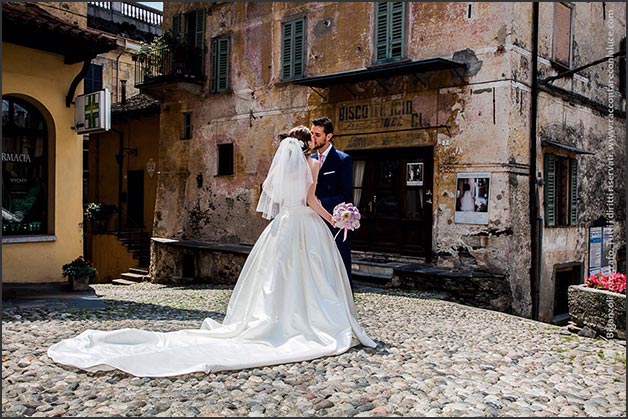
{"x":335,"y":185}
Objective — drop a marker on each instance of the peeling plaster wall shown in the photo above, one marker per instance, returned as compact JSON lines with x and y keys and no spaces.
{"x":569,"y":121}
{"x":487,"y":115}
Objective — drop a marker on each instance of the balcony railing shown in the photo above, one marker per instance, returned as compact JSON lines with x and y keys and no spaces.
{"x":131,"y":10}
{"x":167,"y":64}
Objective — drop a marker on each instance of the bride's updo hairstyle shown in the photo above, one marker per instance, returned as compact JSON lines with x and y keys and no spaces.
{"x":303,"y":134}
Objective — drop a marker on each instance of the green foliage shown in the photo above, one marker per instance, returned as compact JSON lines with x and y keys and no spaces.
{"x":79,"y":267}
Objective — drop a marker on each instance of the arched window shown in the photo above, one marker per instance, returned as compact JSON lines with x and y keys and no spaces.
{"x":24,"y":169}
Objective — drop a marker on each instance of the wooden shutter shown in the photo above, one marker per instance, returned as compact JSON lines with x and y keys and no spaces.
{"x":389,"y":31}
{"x":220,"y":64}
{"x":176,"y":24}
{"x":550,"y":189}
{"x":298,"y":44}
{"x":214,"y":79}
{"x":223,"y":64}
{"x":573,"y":192}
{"x":293,"y":50}
{"x":381,"y":32}
{"x":396,"y":30}
{"x":286,"y":50}
{"x":199,"y":35}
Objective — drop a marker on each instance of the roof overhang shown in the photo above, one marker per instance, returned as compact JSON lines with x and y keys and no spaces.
{"x":381,"y":72}
{"x":31,"y":26}
{"x":573,"y":149}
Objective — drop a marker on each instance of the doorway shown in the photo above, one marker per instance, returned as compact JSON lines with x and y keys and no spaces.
{"x":393,"y":191}
{"x":135,"y":204}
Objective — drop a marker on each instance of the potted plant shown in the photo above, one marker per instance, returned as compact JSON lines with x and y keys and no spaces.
{"x":79,"y":272}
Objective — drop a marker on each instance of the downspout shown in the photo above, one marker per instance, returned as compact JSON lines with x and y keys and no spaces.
{"x":534,"y":199}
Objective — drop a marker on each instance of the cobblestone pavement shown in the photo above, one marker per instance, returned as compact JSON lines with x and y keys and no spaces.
{"x":434,"y":358}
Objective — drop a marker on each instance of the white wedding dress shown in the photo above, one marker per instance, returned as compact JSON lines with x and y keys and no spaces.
{"x":292,"y":302}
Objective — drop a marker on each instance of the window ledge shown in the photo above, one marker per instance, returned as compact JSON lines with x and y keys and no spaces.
{"x":29,"y":239}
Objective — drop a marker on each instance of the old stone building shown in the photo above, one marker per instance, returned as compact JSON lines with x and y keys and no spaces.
{"x":479,"y":132}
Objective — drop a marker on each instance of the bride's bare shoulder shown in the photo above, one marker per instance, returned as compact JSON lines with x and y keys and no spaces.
{"x":313,"y":162}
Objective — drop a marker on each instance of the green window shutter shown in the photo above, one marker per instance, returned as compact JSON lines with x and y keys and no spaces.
{"x":550,"y":189}
{"x":199,"y":36}
{"x":286,"y":50}
{"x":389,"y":31}
{"x":293,"y":50}
{"x":397,"y":30}
{"x":214,"y":79}
{"x":223,"y":64}
{"x":220,"y":64}
{"x":176,"y":23}
{"x":573,"y":192}
{"x":381,"y":32}
{"x":299,"y":37}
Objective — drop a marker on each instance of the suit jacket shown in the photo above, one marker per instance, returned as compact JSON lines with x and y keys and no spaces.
{"x":335,"y":179}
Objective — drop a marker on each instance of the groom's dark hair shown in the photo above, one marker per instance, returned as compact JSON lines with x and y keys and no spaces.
{"x":324,"y":122}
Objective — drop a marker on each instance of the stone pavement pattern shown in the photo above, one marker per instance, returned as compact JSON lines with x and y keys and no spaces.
{"x":434,"y":358}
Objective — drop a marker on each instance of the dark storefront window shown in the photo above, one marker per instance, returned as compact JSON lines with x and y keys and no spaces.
{"x":24,"y":169}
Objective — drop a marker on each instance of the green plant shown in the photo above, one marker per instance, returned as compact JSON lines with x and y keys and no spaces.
{"x":79,"y":267}
{"x":98,"y":211}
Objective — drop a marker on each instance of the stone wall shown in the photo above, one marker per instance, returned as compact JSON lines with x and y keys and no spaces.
{"x":603,"y":311}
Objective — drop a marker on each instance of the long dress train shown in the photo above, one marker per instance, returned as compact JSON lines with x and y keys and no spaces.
{"x":292,"y":302}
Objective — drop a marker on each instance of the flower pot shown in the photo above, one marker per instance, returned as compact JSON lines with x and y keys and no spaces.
{"x":601,"y":310}
{"x":80,"y":283}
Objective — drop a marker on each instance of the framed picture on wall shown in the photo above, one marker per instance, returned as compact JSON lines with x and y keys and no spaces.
{"x":414,"y":174}
{"x":472,"y":197}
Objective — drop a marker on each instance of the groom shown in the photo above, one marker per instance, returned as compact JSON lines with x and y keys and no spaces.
{"x":335,"y":180}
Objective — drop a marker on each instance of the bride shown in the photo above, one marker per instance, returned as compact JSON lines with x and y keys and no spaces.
{"x":292,"y":301}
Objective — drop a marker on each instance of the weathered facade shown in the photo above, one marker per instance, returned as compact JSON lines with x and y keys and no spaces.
{"x":434,"y":102}
{"x":119,"y":174}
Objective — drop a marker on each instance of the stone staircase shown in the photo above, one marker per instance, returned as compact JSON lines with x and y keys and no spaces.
{"x":138,"y":243}
{"x":134,"y":275}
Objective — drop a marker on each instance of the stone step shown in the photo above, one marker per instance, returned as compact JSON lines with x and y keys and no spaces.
{"x":139,"y":271}
{"x":133,"y":277}
{"x":120,"y":281}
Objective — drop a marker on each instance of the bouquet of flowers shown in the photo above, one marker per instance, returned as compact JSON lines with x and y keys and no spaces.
{"x":345,"y":217}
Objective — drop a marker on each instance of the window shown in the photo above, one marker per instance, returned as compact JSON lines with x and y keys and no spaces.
{"x":293,"y":47}
{"x":24,"y":169}
{"x":561,"y":190}
{"x":187,"y":126}
{"x":563,"y":20}
{"x":225,"y":159}
{"x":389,"y":31}
{"x":93,"y":79}
{"x":220,"y":64}
{"x":85,"y":169}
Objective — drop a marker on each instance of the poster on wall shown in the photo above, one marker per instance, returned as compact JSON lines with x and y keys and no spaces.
{"x":472,"y":197}
{"x":414,"y":174}
{"x":600,"y":240}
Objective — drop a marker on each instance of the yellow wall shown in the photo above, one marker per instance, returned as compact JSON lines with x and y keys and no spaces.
{"x":43,"y":79}
{"x":139,"y":134}
{"x":111,"y":258}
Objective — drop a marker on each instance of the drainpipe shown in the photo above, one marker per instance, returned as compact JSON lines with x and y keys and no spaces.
{"x":534,"y":199}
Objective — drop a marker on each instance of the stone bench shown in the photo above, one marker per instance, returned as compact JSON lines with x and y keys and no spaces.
{"x":184,"y":261}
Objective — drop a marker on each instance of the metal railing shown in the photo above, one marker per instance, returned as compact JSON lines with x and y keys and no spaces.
{"x":132,"y":10}
{"x":166,"y":63}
